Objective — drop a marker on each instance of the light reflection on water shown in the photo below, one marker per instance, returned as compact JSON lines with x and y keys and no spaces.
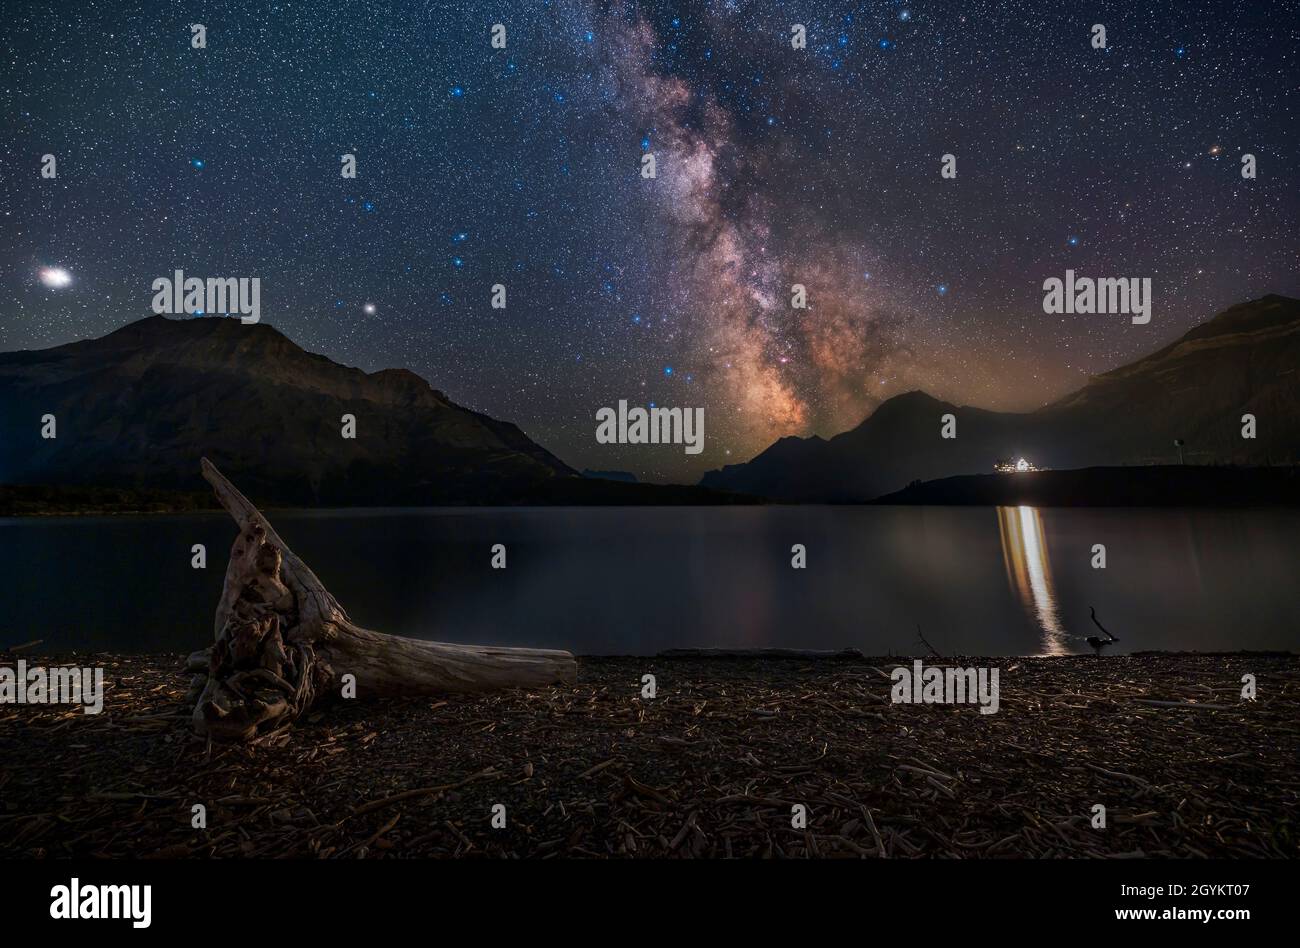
{"x":626,"y":580}
{"x":1029,"y":572}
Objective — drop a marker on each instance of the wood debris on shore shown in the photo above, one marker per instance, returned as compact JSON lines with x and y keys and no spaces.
{"x":710,"y":767}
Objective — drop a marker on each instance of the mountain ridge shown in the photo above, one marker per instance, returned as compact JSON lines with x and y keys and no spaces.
{"x":138,"y":406}
{"x":1194,"y":389}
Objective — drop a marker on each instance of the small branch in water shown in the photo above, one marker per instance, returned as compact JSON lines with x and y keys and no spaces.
{"x":1098,"y":643}
{"x":925,"y":643}
{"x":1093,"y":613}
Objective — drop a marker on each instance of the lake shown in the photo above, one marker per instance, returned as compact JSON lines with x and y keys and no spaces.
{"x":977,"y":580}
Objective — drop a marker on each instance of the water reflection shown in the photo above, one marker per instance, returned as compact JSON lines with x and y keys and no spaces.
{"x":1024,"y":552}
{"x":636,"y":580}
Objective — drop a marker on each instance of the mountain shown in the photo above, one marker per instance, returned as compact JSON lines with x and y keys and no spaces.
{"x":1196,"y":389}
{"x":625,"y":476}
{"x":139,"y":407}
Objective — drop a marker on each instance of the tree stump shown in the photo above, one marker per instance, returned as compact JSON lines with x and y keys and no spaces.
{"x":283,"y":643}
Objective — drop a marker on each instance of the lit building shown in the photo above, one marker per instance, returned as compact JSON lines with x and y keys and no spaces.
{"x":1018,"y":466}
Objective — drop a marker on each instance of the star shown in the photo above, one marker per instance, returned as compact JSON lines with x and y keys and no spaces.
{"x":368,"y":309}
{"x":54,"y":277}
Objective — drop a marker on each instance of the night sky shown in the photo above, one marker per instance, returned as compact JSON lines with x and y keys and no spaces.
{"x":774,"y":166}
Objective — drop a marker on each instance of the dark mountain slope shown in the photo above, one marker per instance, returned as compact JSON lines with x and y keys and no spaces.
{"x":1245,"y":360}
{"x":139,"y":407}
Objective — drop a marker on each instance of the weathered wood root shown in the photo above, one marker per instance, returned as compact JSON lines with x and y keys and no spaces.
{"x":283,"y":643}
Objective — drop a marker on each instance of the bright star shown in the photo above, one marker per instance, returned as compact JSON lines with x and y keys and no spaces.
{"x":54,"y":277}
{"x":369,"y":309}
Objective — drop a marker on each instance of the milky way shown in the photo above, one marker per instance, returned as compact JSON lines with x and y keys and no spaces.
{"x":775,"y":167}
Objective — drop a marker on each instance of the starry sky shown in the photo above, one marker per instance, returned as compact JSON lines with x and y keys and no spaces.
{"x":774,"y":166}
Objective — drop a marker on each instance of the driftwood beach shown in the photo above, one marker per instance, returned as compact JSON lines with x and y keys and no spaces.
{"x":710,"y":767}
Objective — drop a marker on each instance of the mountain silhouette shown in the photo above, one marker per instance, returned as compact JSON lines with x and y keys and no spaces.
{"x":139,"y":407}
{"x":1243,"y":361}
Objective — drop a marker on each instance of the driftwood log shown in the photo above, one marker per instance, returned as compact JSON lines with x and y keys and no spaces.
{"x":283,"y":643}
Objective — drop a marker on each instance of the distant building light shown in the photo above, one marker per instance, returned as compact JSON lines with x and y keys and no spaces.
{"x":1018,"y":466}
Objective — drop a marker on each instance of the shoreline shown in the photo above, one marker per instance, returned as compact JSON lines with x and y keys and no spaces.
{"x":1190,"y":486}
{"x":708,"y":768}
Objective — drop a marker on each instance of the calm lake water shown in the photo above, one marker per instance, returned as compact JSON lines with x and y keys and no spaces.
{"x":978,"y":580}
